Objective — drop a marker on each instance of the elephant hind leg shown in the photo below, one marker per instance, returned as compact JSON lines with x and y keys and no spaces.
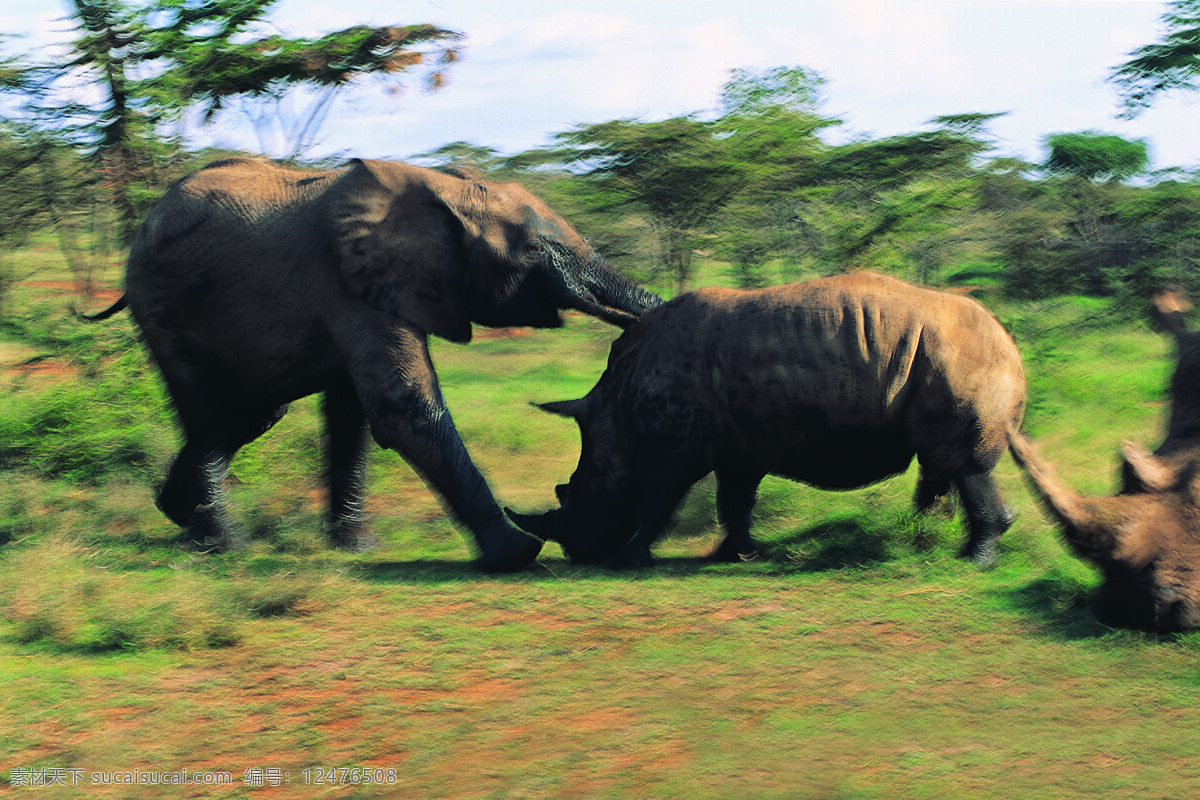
{"x":347,"y":440}
{"x":193,"y":495}
{"x":987,"y":516}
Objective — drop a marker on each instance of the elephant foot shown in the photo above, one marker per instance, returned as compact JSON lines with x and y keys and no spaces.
{"x":352,"y":537}
{"x":211,"y":532}
{"x":507,"y":550}
{"x":728,"y":553}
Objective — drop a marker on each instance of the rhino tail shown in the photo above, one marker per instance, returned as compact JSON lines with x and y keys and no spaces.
{"x":1091,"y":532}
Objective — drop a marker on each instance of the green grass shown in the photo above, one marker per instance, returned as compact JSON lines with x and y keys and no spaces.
{"x":857,"y":658}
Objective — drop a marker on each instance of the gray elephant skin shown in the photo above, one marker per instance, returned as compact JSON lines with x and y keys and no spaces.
{"x":838,"y":383}
{"x":255,"y":285}
{"x":1146,"y":539}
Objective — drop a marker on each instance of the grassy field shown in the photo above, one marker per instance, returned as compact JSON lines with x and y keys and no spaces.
{"x":857,"y":659}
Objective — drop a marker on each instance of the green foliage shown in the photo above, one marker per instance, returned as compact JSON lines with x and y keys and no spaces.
{"x":111,"y":424}
{"x":673,"y":169}
{"x":1095,"y":156}
{"x":1173,"y":63}
{"x":750,"y":92}
{"x":153,"y":61}
{"x":1163,"y":227}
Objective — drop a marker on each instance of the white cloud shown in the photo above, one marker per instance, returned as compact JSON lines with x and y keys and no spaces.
{"x":538,"y":67}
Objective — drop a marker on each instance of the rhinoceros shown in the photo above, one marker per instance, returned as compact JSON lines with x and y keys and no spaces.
{"x":1146,"y":538}
{"x":1181,"y":445}
{"x":837,"y":382}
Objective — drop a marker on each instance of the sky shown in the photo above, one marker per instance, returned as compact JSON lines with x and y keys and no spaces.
{"x":534,"y":68}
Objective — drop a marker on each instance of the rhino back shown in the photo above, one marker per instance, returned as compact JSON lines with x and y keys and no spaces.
{"x":837,"y":382}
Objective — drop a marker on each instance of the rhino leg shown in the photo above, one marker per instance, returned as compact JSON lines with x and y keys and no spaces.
{"x":987,"y":516}
{"x":931,"y":487}
{"x":736,"y":493}
{"x":664,"y":473}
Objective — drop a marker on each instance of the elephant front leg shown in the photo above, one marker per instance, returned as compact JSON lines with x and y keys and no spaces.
{"x":407,"y":413}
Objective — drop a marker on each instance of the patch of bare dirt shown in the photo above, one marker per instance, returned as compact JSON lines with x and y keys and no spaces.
{"x":482,"y":334}
{"x":99,"y":294}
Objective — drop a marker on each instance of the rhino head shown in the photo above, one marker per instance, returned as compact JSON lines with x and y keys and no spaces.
{"x":594,"y":518}
{"x":1146,"y":542}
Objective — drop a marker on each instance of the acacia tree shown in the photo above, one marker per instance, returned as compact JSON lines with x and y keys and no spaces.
{"x":770,"y":128}
{"x":1096,"y":156}
{"x":1173,"y":63}
{"x":153,"y":60}
{"x":674,"y":170}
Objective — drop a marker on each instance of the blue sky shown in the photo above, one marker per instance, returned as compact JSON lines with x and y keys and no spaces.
{"x":532,"y":68}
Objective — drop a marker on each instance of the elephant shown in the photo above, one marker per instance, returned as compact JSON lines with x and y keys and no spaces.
{"x":837,"y":382}
{"x":255,"y":285}
{"x":1145,"y":539}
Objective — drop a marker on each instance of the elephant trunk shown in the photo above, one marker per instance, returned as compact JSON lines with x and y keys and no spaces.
{"x":614,"y":290}
{"x":598,"y":289}
{"x":1092,"y":533}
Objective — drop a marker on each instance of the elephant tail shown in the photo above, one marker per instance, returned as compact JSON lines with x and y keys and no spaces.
{"x":121,"y":304}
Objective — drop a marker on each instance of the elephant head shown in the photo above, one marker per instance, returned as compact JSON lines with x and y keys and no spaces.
{"x":1146,"y":542}
{"x":594,"y":518}
{"x":443,"y":251}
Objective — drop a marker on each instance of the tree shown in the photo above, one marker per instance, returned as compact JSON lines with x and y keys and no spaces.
{"x":780,"y":157}
{"x":155,"y":60}
{"x":1096,"y":156}
{"x":1173,"y":63}
{"x":896,"y":194}
{"x":749,"y":92}
{"x":1163,"y":221}
{"x":462,"y":156}
{"x":674,"y":169}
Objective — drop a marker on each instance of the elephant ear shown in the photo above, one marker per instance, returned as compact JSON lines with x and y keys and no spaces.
{"x":398,"y":247}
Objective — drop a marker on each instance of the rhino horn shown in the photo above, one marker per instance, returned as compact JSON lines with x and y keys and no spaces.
{"x":1092,"y":533}
{"x":544,"y":526}
{"x":575,"y":409}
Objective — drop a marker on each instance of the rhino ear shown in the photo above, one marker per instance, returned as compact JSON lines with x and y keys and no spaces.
{"x":1168,"y":311}
{"x":398,"y":248}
